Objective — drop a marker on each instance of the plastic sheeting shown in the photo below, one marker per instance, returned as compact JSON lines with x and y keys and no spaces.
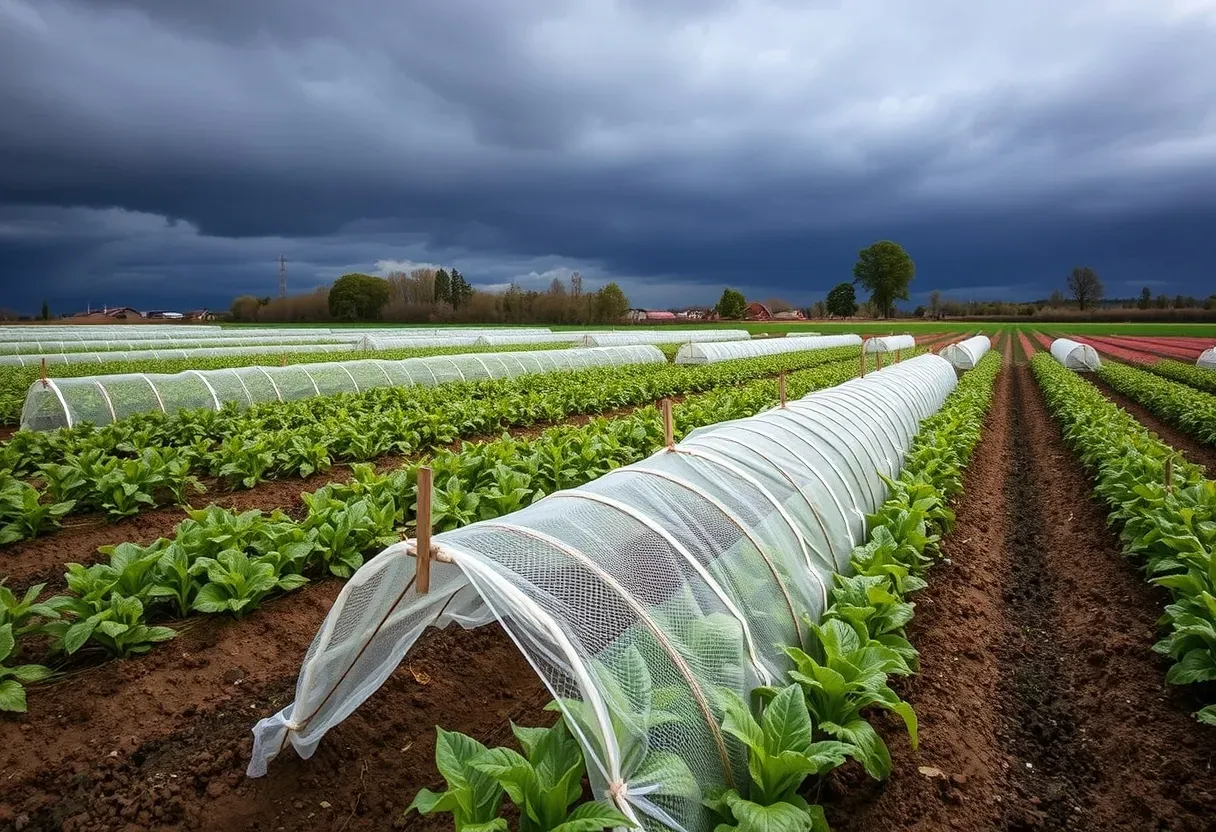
{"x":714,"y":351}
{"x":64,"y":402}
{"x":1075,"y":355}
{"x":639,"y":597}
{"x":801,"y":334}
{"x":1207,"y":358}
{"x":109,"y":344}
{"x":456,"y":337}
{"x":171,"y":353}
{"x":964,"y":355}
{"x":674,"y":336}
{"x":890,"y":343}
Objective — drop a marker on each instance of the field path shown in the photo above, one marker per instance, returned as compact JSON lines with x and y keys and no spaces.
{"x":1041,"y":704}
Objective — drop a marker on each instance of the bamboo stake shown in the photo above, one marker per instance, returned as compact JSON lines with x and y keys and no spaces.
{"x":896,"y":361}
{"x":45,"y":383}
{"x":781,"y":387}
{"x":422,"y":532}
{"x":878,"y":361}
{"x":669,"y":434}
{"x":283,"y":356}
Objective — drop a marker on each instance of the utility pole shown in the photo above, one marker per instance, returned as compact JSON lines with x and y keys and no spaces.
{"x":282,"y":276}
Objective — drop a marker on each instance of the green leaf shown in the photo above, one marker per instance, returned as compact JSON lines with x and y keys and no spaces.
{"x":780,"y":817}
{"x":592,"y":817}
{"x":12,"y":696}
{"x":6,"y":641}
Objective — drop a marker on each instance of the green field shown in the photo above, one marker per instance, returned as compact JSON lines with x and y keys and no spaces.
{"x":864,"y":328}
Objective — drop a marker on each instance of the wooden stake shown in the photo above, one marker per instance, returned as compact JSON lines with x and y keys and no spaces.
{"x":422,"y":532}
{"x":896,"y":357}
{"x":45,"y":383}
{"x":781,"y":387}
{"x":862,"y":374}
{"x":669,"y":435}
{"x":284,"y":357}
{"x":1169,"y":474}
{"x":877,"y":361}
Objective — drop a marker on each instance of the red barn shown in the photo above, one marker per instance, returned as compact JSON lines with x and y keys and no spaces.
{"x":757,"y":312}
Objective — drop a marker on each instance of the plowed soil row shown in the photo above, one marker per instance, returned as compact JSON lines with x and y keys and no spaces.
{"x":1041,"y":704}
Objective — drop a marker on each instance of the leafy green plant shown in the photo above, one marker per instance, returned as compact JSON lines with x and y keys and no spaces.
{"x":472,"y":797}
{"x":13,"y":679}
{"x":546,"y":781}
{"x":848,"y":672}
{"x":236,"y":582}
{"x":22,"y":515}
{"x":20,"y":614}
{"x":781,"y":754}
{"x":116,"y":624}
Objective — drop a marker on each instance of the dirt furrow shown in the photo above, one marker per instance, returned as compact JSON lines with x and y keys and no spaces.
{"x":958,"y":778}
{"x":162,"y":741}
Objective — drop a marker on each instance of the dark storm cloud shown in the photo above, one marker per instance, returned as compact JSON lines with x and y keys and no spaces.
{"x":167,"y":151}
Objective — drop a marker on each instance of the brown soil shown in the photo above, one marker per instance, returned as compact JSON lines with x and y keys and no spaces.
{"x":161,"y":742}
{"x":958,"y":628}
{"x":1194,"y":450}
{"x":1036,"y":713}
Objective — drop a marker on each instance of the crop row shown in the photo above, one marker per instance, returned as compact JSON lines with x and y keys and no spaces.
{"x":1166,"y":510}
{"x":220,"y":561}
{"x":1189,"y":374}
{"x":1186,"y":408}
{"x":792,"y":732}
{"x":15,"y":381}
{"x":152,"y":459}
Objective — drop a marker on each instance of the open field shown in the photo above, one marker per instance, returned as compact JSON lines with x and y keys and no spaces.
{"x":1031,"y":588}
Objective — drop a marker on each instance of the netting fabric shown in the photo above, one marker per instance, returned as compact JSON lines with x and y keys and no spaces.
{"x":1075,"y":355}
{"x":671,"y":336}
{"x":63,"y":402}
{"x":890,"y":343}
{"x":35,"y":360}
{"x":1207,"y":358}
{"x":964,"y":355}
{"x":713,"y":351}
{"x":641,"y":597}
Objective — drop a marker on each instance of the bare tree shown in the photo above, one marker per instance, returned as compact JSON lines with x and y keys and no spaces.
{"x":935,"y":303}
{"x":1085,"y":286}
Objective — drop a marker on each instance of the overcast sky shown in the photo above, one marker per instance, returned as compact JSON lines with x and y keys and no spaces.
{"x":165,"y":152}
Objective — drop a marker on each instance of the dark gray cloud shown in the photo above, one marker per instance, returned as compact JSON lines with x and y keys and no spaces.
{"x":167,"y":151}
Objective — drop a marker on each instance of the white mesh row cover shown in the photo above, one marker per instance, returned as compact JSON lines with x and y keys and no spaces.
{"x":506,"y":338}
{"x":1207,"y":358}
{"x":890,"y":343}
{"x":637,"y":598}
{"x":964,"y":355}
{"x":1075,"y":355}
{"x":674,"y":336}
{"x":63,"y":402}
{"x":801,"y":334}
{"x":117,"y":343}
{"x":35,"y":332}
{"x":711,"y":352}
{"x":163,"y":353}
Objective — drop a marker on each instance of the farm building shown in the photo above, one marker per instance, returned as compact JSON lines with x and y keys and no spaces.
{"x":757,"y":312}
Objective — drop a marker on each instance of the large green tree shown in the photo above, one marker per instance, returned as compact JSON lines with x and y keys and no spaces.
{"x":358,"y":297}
{"x":842,"y":301}
{"x":884,"y":270}
{"x":610,"y":304}
{"x":732,"y":304}
{"x":443,"y":287}
{"x":461,"y":291}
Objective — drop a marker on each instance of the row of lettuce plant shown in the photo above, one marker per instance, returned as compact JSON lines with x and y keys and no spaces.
{"x":1170,"y":528}
{"x":1200,"y":378}
{"x":224,"y":562}
{"x":15,"y":381}
{"x":792,"y":735}
{"x":1191,"y":411}
{"x":154,"y":459}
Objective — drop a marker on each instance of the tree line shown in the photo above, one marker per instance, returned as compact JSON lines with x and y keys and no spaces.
{"x":427,"y":295}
